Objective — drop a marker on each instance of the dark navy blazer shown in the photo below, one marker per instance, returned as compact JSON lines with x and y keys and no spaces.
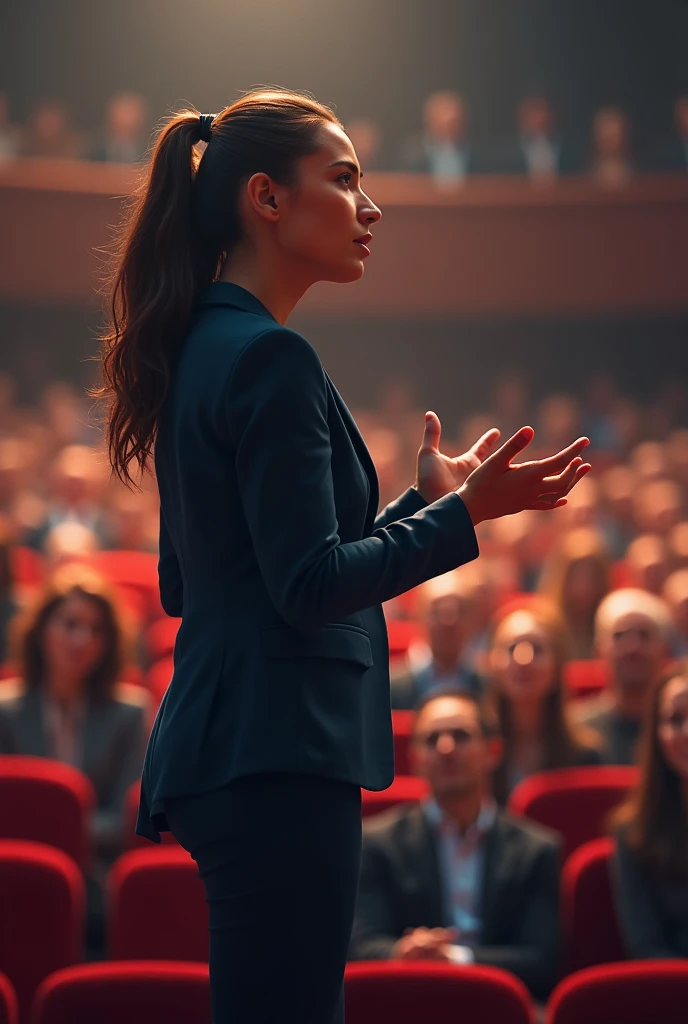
{"x":272,"y":554}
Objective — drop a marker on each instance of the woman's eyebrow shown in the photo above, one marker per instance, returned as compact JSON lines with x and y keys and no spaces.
{"x":347,"y":163}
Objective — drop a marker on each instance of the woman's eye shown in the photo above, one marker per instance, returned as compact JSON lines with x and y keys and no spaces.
{"x":345,"y":177}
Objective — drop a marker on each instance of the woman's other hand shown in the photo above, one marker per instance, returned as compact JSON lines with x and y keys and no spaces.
{"x":498,"y":488}
{"x":437,"y":474}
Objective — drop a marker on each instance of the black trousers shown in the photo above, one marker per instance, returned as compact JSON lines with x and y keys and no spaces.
{"x":279,"y":855}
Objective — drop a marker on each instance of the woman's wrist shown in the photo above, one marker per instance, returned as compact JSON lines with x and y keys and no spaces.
{"x":468,"y":497}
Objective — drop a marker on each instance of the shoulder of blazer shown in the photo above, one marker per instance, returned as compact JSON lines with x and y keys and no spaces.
{"x":396,"y":828}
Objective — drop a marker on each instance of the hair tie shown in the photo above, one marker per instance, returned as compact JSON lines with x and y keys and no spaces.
{"x":204,"y":122}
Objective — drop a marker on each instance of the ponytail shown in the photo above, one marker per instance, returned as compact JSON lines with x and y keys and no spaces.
{"x":182,"y":222}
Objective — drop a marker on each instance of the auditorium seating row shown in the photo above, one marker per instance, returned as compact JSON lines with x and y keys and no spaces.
{"x":157,"y":992}
{"x":155,"y":902}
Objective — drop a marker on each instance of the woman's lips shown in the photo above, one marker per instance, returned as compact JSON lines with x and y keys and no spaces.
{"x":364,"y":247}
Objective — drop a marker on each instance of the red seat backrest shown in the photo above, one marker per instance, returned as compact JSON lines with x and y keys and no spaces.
{"x":125,"y":993}
{"x":573,"y":801}
{"x":591,"y":930}
{"x":413,"y":992}
{"x":632,"y":993}
{"x":156,"y":907}
{"x":9,"y":1005}
{"x":42,"y":904}
{"x":46,"y":801}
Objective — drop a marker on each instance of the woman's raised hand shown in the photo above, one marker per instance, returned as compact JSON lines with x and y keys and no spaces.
{"x":498,"y":488}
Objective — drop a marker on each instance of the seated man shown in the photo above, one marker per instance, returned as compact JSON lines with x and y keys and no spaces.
{"x":455,"y":878}
{"x":632,"y":635}
{"x":444,"y":613}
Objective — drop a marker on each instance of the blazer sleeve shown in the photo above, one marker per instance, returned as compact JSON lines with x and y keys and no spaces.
{"x":374,"y":932}
{"x":276,"y":407}
{"x":534,"y":956}
{"x":405,"y":505}
{"x":107,"y":822}
{"x":169,"y":573}
{"x":640,"y":919}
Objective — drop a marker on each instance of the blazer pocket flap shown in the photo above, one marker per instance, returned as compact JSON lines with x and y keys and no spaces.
{"x":328,"y":642}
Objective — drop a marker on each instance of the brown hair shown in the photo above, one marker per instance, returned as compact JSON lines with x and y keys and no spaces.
{"x":181,"y":225}
{"x":581,"y":544}
{"x":654,"y":819}
{"x":68,"y":580}
{"x":562,"y":740}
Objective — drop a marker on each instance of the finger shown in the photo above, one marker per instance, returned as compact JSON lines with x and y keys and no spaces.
{"x":561,"y":481}
{"x":546,"y":506}
{"x":487,"y":443}
{"x":555,"y":463}
{"x":432,"y":432}
{"x":516,"y":443}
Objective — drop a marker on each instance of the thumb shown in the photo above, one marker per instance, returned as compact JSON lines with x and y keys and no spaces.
{"x":516,"y":443}
{"x":432,"y":432}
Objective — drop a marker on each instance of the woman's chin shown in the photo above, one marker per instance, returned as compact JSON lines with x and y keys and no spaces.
{"x":347,"y":273}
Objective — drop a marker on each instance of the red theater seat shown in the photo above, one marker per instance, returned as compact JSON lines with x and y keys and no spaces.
{"x":574,"y":801}
{"x":402,"y":725}
{"x":586,"y":678}
{"x":158,"y":678}
{"x":588,"y":912}
{"x":135,"y":573}
{"x":402,"y":633}
{"x":131,"y":810}
{"x":156,"y":907}
{"x":41,"y":914}
{"x":46,"y":801}
{"x":160,"y":638}
{"x":408,"y":992}
{"x":641,"y":992}
{"x":27,"y":566}
{"x":9,"y":1007}
{"x":405,"y":788}
{"x":147,"y":992}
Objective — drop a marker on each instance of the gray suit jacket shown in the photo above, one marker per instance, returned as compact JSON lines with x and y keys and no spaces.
{"x":114,"y":741}
{"x":401,"y":887}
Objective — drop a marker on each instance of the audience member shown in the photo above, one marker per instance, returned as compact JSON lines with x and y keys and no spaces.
{"x":611,"y":163}
{"x":444,"y":148}
{"x":658,"y":507}
{"x":671,"y":152}
{"x":675,"y":593}
{"x":123,"y":137}
{"x":455,"y":878}
{"x":618,"y":487}
{"x":366,"y":139}
{"x":632,"y":634}
{"x":76,"y":491}
{"x":576,"y":578}
{"x":539,"y":149}
{"x":443,"y":612}
{"x":650,"y":867}
{"x":529,"y":649}
{"x":678,"y":545}
{"x":49,"y":133}
{"x":647,"y":562}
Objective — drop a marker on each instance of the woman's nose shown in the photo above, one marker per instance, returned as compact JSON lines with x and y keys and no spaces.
{"x":370,"y":213}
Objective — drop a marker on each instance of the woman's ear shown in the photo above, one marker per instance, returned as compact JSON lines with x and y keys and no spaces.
{"x":261,"y":196}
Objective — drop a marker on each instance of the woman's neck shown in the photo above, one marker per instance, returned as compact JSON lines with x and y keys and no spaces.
{"x":278,"y":287}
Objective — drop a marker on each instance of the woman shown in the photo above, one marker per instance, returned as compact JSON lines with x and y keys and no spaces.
{"x":270,"y":549}
{"x":66,"y":704}
{"x":527,"y":656}
{"x":576,"y":578}
{"x":650,"y":866}
{"x":611,"y":162}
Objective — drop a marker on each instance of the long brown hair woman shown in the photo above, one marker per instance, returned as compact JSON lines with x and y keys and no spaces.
{"x":271,"y":550}
{"x":527,"y":655}
{"x":650,"y":867}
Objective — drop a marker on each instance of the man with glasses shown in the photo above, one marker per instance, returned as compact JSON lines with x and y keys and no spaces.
{"x":455,"y":878}
{"x":632,"y":635}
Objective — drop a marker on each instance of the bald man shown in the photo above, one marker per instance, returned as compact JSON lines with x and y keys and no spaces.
{"x":632,"y":635}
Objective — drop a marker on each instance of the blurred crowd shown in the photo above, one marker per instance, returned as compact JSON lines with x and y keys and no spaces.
{"x":490,"y":666}
{"x":446,"y":145}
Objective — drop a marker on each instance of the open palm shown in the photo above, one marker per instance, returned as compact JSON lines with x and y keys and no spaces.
{"x":438,"y":474}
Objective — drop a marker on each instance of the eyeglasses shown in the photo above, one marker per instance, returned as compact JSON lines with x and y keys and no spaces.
{"x":460,"y":736}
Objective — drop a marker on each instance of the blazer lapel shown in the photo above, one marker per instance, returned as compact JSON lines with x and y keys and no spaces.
{"x":362,"y":452}
{"x":424,"y":871}
{"x":30,"y":729}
